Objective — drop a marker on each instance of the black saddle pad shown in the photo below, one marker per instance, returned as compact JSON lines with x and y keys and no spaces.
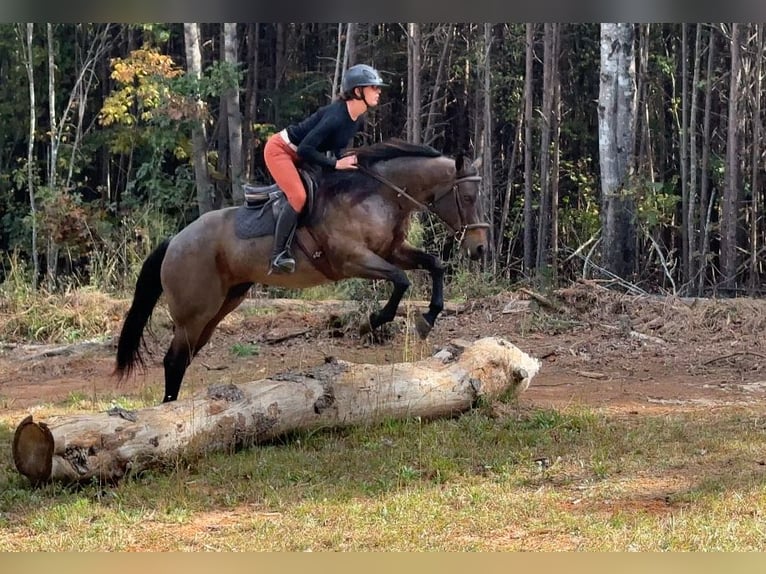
{"x":257,"y":222}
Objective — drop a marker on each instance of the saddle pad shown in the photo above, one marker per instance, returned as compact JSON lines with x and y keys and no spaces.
{"x":250,"y":223}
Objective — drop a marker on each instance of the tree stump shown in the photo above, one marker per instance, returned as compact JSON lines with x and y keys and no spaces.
{"x":108,"y":445}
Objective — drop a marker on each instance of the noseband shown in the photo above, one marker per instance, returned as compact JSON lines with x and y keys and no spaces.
{"x":455,"y":189}
{"x":464,"y":227}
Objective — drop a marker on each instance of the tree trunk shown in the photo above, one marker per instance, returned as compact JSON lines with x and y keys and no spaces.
{"x":754,"y":275}
{"x":199,"y":139}
{"x":336,"y":79}
{"x":233,"y":115}
{"x":413,"y":84}
{"x":251,"y":101}
{"x":644,"y":163}
{"x":349,"y":53}
{"x":705,"y":199}
{"x":52,"y":250}
{"x":431,"y":117}
{"x":106,"y":446}
{"x":616,"y":125}
{"x":731,"y":186}
{"x":528,"y":100}
{"x":543,"y":220}
{"x":508,"y":189}
{"x":26,"y":37}
{"x":488,"y":184}
{"x":684,"y":153}
{"x":555,"y":162}
{"x":691,"y":218}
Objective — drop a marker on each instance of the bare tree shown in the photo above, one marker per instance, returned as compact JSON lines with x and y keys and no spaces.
{"x":233,"y":113}
{"x":691,"y":215}
{"x":706,"y":201}
{"x":338,"y":63}
{"x":731,"y":188}
{"x":413,"y":82}
{"x":754,"y":275}
{"x":25,"y":35}
{"x":52,"y":250}
{"x":616,"y":128}
{"x":199,"y":138}
{"x":438,"y":82}
{"x":528,"y":101}
{"x":644,"y":161}
{"x":684,"y":151}
{"x":488,"y":186}
{"x":349,"y":54}
{"x":251,"y":99}
{"x":555,"y":136}
{"x":543,"y":256}
{"x":78,"y":97}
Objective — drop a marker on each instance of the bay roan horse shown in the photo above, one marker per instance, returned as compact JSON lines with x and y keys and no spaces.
{"x":359,"y":223}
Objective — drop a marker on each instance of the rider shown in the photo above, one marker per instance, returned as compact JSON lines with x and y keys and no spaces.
{"x":330,"y":128}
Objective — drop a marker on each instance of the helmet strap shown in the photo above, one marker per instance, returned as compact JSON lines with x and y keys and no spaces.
{"x":361,"y":97}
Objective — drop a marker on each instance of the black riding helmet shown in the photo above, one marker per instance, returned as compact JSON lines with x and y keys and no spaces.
{"x":359,"y":76}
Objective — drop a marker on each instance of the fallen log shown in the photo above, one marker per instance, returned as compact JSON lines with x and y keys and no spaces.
{"x":106,"y":446}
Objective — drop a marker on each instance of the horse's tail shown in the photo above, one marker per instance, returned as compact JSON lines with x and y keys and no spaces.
{"x":148,"y":291}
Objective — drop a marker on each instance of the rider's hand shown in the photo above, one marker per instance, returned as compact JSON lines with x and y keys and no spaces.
{"x":346,"y":162}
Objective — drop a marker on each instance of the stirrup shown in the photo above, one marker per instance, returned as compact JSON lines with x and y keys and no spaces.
{"x":282,"y":263}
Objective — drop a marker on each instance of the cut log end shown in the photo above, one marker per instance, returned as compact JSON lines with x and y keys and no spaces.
{"x":33,"y":450}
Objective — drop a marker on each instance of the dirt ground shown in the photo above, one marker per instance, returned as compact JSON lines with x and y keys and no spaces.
{"x":598,"y":348}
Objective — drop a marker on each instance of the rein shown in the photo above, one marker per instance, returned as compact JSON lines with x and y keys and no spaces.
{"x":400,"y":192}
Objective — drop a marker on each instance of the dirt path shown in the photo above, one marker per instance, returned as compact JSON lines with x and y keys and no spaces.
{"x":600,"y":349}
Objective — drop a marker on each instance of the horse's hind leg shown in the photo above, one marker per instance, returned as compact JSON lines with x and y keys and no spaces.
{"x":233,"y":300}
{"x":177,"y":359}
{"x":190,"y":337}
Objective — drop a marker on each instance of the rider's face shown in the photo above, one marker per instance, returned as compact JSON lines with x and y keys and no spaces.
{"x":371,"y":95}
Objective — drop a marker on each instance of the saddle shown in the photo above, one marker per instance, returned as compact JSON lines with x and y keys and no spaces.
{"x":257,"y":218}
{"x":257,"y":195}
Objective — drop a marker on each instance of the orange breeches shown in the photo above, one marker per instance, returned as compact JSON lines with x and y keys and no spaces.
{"x":280,"y":160}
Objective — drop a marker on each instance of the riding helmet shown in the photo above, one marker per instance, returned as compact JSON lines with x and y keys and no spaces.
{"x":360,"y":75}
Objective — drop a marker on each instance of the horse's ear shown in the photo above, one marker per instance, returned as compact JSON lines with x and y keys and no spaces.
{"x":459,"y":163}
{"x":476,"y":163}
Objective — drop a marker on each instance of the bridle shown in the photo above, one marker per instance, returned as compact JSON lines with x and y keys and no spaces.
{"x":455,"y":188}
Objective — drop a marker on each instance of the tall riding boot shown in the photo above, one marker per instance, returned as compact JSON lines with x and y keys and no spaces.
{"x":281,"y":259}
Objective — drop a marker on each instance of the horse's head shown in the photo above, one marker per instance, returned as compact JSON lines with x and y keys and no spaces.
{"x":459,"y":206}
{"x":424,"y":178}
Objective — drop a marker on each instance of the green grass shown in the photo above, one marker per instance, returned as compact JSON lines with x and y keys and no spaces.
{"x":244,"y":350}
{"x":532,"y":480}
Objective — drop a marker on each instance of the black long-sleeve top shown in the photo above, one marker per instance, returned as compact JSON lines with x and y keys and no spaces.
{"x":330,"y":128}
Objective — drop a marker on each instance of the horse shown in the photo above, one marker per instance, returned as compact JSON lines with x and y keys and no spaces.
{"x":357,"y":227}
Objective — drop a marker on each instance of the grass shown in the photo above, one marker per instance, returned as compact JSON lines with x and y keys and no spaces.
{"x":244,"y":349}
{"x":530,"y":480}
{"x":535,"y":479}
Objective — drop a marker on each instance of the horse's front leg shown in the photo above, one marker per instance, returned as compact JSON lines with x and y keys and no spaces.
{"x":409,"y":257}
{"x":372,"y":266}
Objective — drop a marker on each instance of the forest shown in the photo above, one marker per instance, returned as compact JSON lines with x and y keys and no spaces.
{"x":632,"y":154}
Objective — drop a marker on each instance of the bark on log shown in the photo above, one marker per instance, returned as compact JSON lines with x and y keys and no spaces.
{"x":108,"y":445}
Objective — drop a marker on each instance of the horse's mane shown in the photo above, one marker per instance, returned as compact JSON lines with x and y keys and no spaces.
{"x":391,"y":149}
{"x":338,"y":182}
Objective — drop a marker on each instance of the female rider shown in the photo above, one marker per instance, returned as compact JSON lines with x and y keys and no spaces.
{"x":330,"y":128}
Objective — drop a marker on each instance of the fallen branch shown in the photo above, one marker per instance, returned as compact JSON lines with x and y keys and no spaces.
{"x":542,"y":300}
{"x":108,"y":445}
{"x":730,"y":355}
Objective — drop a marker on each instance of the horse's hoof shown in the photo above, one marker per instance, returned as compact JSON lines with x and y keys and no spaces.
{"x":422,"y":326}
